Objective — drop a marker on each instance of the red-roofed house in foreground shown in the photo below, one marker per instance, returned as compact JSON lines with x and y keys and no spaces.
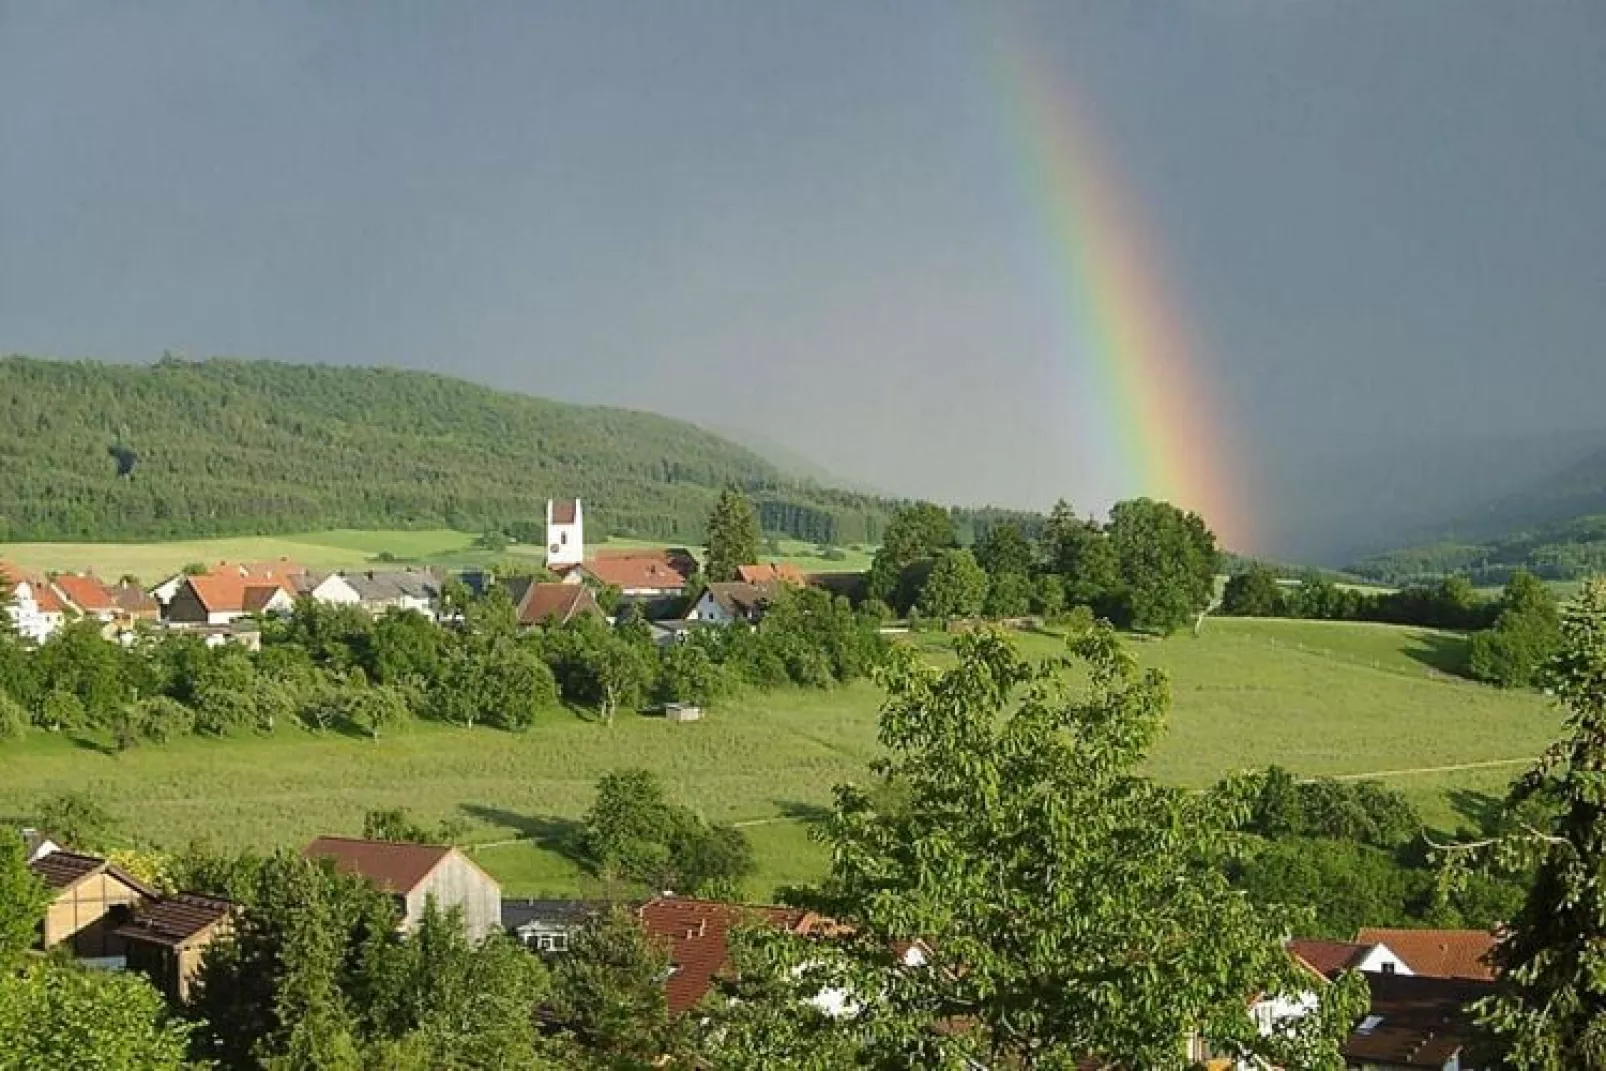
{"x":1438,"y":953}
{"x":415,"y":872}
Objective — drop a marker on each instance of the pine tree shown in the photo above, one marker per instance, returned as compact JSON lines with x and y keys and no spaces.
{"x":733,"y":535}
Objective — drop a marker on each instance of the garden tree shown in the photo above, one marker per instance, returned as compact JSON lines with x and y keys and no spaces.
{"x":1079,"y":552}
{"x":1168,"y":563}
{"x":607,"y":999}
{"x":374,"y":708}
{"x":76,"y":820}
{"x":397,"y":824}
{"x":598,"y":667}
{"x":1550,"y":1012}
{"x":1254,"y":592}
{"x":633,"y":831}
{"x":914,"y":534}
{"x":404,"y":645}
{"x":23,"y":899}
{"x":77,"y":660}
{"x":438,"y":1001}
{"x":1345,"y":884}
{"x":957,"y":587}
{"x":688,"y":673}
{"x":332,"y":635}
{"x":1071,"y":906}
{"x":1009,"y":595}
{"x":733,"y":535}
{"x":1525,"y":636}
{"x":494,"y":679}
{"x":161,"y":718}
{"x":1003,"y":551}
{"x":13,"y":718}
{"x":60,"y":1015}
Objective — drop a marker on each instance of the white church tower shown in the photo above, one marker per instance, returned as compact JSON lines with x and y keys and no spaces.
{"x":565,"y":533}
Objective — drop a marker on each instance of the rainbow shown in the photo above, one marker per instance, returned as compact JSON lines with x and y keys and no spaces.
{"x":1147,"y":409}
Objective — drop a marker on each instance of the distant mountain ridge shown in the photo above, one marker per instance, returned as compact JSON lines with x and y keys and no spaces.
{"x":226,"y":447}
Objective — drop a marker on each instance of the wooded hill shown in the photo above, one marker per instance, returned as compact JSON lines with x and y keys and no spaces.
{"x":225,"y":447}
{"x":1568,"y":550}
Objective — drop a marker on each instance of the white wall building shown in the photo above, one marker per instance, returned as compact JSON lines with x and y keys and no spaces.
{"x":565,"y":533}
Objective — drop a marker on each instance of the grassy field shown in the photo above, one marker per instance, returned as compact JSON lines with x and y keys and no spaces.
{"x":1320,"y":699}
{"x":342,"y":549}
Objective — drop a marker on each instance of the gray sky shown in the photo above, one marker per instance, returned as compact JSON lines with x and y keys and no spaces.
{"x":1380,"y":221}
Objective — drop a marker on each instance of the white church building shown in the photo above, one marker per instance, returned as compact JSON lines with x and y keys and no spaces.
{"x":565,"y":533}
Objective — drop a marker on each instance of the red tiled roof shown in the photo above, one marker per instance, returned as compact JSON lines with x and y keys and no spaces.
{"x":660,"y":570}
{"x":771,"y":572}
{"x":559,"y":602}
{"x":277,"y":569}
{"x":176,"y":920}
{"x":1328,"y":957}
{"x":697,"y":934}
{"x":1414,"y":1021}
{"x":563,"y":510}
{"x":227,"y":590}
{"x":9,"y":575}
{"x":86,"y":592}
{"x":396,"y":867}
{"x":1438,"y":953}
{"x":45,"y":597}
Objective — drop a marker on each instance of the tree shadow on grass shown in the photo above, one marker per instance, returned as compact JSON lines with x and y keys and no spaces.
{"x":89,"y":743}
{"x":565,"y":836}
{"x":1444,"y":652}
{"x":1484,"y":810}
{"x":810,"y":814}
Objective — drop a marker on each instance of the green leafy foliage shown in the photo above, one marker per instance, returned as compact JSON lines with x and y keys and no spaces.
{"x":608,"y":999}
{"x":1525,"y":636}
{"x":633,"y":831}
{"x":956,"y":587}
{"x":59,"y":1015}
{"x":733,"y":535}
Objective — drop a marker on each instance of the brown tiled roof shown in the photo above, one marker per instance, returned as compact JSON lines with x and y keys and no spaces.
{"x":1438,"y":953}
{"x":64,"y":869}
{"x":1414,"y":1021}
{"x":771,"y":572}
{"x":697,"y":934}
{"x":176,"y":920}
{"x":86,"y":592}
{"x":661,"y":570}
{"x":395,"y":867}
{"x":556,"y":602}
{"x":133,"y":599}
{"x":61,"y":870}
{"x":1328,"y":957}
{"x":563,"y":510}
{"x":739,"y":598}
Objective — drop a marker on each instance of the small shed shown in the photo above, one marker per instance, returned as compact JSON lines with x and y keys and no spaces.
{"x":682,"y":712}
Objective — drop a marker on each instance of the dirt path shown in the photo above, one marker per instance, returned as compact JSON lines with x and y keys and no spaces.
{"x":1375,"y":774}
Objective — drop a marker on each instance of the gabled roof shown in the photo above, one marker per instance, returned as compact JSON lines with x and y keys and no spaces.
{"x":1438,"y":953}
{"x":1328,"y":958}
{"x":739,"y":598}
{"x":389,"y":865}
{"x":560,"y":603}
{"x":61,"y":870}
{"x":375,"y":586}
{"x":133,"y":599}
{"x":697,"y":934}
{"x":228,"y":590}
{"x":516,"y":913}
{"x":1414,"y":1021}
{"x":771,"y":572}
{"x":667,"y":570}
{"x":86,"y":592}
{"x":176,"y":920}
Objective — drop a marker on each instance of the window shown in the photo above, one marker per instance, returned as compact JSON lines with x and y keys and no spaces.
{"x":563,"y":537}
{"x":1386,"y":967}
{"x":551,"y":942}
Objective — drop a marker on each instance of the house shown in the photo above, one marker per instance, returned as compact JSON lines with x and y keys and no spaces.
{"x":652,"y":574}
{"x":1416,"y":1022}
{"x":565,"y":533}
{"x":330,"y":589}
{"x":549,"y":925}
{"x":280,"y":569}
{"x":772,"y":573}
{"x":378,"y":592}
{"x":697,"y":936}
{"x":413,"y":873}
{"x":1456,"y":954}
{"x":87,"y":595}
{"x":539,"y":603}
{"x":219,"y":598}
{"x":1331,"y":958}
{"x":167,"y":937}
{"x":36,"y":844}
{"x":722,"y":603}
{"x":36,"y":611}
{"x":134,"y":604}
{"x":91,"y":898}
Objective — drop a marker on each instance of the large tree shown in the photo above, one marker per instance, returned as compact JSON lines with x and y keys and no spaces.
{"x":1551,"y":1010}
{"x":734,"y":536}
{"x":1070,"y":907}
{"x":956,"y":587}
{"x":1524,"y":638}
{"x":1168,"y":562}
{"x":914,"y":535}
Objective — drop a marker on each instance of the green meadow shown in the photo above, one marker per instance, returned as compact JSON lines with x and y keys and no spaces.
{"x":339,"y":549}
{"x":1320,"y":699}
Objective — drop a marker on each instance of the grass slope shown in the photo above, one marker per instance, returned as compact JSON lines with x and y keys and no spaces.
{"x":1321,"y":701}
{"x":340,"y":549}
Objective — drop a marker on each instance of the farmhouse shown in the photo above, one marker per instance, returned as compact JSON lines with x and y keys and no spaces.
{"x":549,"y":604}
{"x":727,"y":602}
{"x":35,"y":609}
{"x":279,"y":570}
{"x":91,"y":899}
{"x":565,"y":533}
{"x":413,"y":873}
{"x":167,"y":937}
{"x":1454,"y":954}
{"x":651,"y":574}
{"x":330,"y":589}
{"x":87,"y":595}
{"x":134,"y":604}
{"x":220,"y":598}
{"x":399,"y":589}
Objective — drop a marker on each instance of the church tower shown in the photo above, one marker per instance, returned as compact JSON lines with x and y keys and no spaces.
{"x":565,"y":533}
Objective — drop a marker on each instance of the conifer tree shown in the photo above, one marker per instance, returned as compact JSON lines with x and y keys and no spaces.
{"x":734,"y":536}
